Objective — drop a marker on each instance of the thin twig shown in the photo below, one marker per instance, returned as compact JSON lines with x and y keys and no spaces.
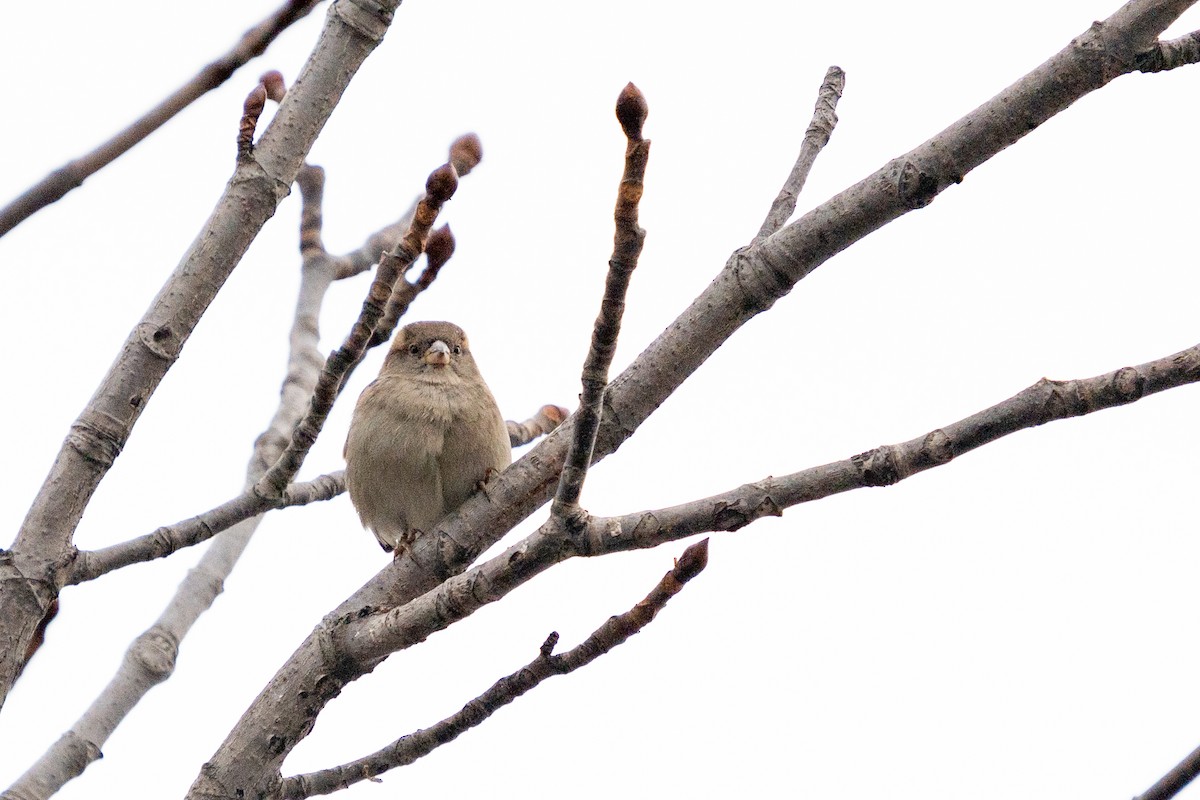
{"x":627,"y":247}
{"x":90,"y":564}
{"x":1174,"y":781}
{"x":72,"y":174}
{"x":407,"y":749}
{"x":821,"y":127}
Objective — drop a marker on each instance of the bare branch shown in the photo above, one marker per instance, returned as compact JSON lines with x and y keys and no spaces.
{"x":1044,"y":401}
{"x":615,"y":631}
{"x":1176,"y":780}
{"x":90,"y":564}
{"x":824,"y":119}
{"x":627,"y":247}
{"x":72,"y":174}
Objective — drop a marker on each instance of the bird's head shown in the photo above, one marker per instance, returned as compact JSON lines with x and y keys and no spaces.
{"x":430,"y":348}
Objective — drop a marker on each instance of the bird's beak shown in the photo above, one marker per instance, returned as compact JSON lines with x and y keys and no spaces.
{"x":438,"y":354}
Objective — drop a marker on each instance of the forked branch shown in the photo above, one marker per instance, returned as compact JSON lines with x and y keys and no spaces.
{"x":407,"y":749}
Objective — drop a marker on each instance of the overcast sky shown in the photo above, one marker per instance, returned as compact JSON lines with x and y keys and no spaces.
{"x":1019,"y":623}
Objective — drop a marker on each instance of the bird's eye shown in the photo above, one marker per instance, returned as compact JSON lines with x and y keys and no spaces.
{"x":414,"y":349}
{"x":458,"y":349}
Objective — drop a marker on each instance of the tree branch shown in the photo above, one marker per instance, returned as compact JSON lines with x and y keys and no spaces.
{"x":91,"y":564}
{"x":615,"y":631}
{"x":627,"y":247}
{"x":1176,"y":780}
{"x":824,"y":119}
{"x":71,"y":175}
{"x":1044,"y":401}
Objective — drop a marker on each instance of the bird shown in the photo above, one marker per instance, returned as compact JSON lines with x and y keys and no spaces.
{"x":424,"y":435}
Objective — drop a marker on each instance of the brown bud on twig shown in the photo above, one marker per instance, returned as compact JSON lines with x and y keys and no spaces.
{"x":441,"y":184}
{"x":251,"y":110}
{"x":439,"y":247}
{"x":273,"y":81}
{"x":692,"y":562}
{"x":548,"y":646}
{"x":556,"y":414}
{"x":632,"y":111}
{"x":466,"y":152}
{"x":255,"y":102}
{"x":545,"y":420}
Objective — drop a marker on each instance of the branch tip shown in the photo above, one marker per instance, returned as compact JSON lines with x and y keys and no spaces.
{"x":439,"y":247}
{"x":547,"y":648}
{"x":252,"y":109}
{"x":466,"y":152}
{"x":255,"y":102}
{"x":273,"y":81}
{"x":441,"y":184}
{"x":692,"y":562}
{"x":632,"y":111}
{"x":556,"y":414}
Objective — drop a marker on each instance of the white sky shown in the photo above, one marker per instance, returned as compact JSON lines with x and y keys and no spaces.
{"x":1020,"y":622}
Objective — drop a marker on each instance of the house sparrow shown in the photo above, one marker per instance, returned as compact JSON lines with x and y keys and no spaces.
{"x":424,"y":435}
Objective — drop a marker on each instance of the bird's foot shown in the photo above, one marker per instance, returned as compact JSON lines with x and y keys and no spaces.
{"x":406,"y":540}
{"x":488,"y":477}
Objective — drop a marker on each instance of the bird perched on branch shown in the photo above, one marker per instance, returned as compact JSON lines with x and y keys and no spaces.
{"x":425,"y":434}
